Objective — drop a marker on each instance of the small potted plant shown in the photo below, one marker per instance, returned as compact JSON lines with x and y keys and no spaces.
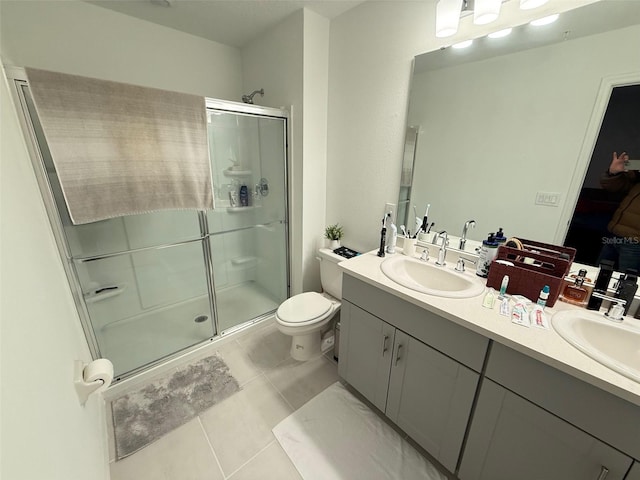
{"x":334,"y":234}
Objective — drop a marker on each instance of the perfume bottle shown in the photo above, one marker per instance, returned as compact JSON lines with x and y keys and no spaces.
{"x":576,"y":293}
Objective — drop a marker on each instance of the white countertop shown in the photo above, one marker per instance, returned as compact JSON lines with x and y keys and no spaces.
{"x":543,"y":345}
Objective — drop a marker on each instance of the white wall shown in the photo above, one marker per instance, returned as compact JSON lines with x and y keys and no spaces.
{"x":371,"y":50}
{"x":315,"y":98}
{"x":45,"y":431}
{"x":83,"y":39}
{"x":46,"y":434}
{"x":274,"y":61}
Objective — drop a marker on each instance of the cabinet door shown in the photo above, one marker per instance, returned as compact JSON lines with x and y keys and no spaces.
{"x":366,"y":345}
{"x":430,"y":397}
{"x":634,"y":474}
{"x":512,"y":438}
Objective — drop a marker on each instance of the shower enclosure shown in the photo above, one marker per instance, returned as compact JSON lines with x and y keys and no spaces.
{"x":151,"y":286}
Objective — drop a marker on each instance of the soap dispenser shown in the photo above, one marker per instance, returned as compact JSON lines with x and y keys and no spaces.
{"x":488,"y":252}
{"x":500,"y":238}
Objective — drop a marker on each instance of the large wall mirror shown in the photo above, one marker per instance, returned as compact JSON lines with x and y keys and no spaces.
{"x":503,"y":132}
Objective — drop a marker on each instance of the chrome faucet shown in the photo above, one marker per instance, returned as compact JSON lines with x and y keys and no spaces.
{"x":460,"y":266}
{"x":442,"y":253}
{"x":616,"y":309}
{"x":463,"y":240}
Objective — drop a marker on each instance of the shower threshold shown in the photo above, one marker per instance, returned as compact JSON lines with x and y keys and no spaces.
{"x":146,"y":340}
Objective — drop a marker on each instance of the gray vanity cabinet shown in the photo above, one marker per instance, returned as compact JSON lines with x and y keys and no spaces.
{"x":430,"y":397}
{"x":420,"y":388}
{"x":530,"y":421}
{"x":511,"y":437}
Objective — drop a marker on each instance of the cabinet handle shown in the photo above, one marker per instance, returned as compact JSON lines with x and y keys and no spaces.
{"x":384,"y":344}
{"x":603,"y":473}
{"x":398,"y":353}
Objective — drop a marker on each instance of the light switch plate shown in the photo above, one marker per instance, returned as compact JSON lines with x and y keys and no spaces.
{"x":549,"y":199}
{"x":390,"y":207}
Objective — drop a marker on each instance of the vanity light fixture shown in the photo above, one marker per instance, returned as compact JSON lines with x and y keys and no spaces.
{"x":449,"y":12}
{"x":500,"y":33}
{"x":530,"y":4}
{"x":447,"y":17}
{"x":544,"y":20}
{"x":486,"y":11}
{"x":465,"y":44}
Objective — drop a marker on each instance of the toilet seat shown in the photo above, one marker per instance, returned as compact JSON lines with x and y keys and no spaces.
{"x":304,"y":309}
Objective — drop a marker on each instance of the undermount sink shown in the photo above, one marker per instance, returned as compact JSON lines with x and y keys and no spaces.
{"x":614,"y":345}
{"x":431,"y":279}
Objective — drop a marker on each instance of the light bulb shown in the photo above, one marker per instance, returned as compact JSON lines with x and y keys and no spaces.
{"x":486,"y":11}
{"x":545,"y":20}
{"x":447,"y":17}
{"x":500,"y":33}
{"x":465,"y":44}
{"x":529,"y":4}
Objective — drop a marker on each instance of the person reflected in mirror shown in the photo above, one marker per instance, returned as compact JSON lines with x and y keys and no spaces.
{"x":622,"y":246}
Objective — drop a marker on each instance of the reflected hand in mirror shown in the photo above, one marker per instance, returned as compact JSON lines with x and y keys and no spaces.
{"x":618,"y":164}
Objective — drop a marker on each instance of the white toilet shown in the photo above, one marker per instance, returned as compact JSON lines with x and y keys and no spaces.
{"x":305,"y":315}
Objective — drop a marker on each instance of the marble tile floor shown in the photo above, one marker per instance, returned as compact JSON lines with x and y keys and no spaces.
{"x":233,"y":439}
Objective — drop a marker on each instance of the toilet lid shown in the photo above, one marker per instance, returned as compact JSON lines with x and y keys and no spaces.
{"x":303,"y":307}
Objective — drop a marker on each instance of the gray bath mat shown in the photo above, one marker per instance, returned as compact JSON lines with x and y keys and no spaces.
{"x":144,"y":415}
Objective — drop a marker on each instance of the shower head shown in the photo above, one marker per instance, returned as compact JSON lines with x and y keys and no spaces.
{"x":249,"y":98}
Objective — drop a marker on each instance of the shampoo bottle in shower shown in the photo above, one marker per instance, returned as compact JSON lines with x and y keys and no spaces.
{"x":244,"y":196}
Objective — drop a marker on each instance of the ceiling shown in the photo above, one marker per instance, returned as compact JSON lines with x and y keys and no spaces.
{"x":231,"y":22}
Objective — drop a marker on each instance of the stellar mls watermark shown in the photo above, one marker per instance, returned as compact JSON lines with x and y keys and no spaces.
{"x":620,"y":240}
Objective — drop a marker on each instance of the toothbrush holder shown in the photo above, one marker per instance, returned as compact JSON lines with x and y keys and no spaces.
{"x":409,"y":246}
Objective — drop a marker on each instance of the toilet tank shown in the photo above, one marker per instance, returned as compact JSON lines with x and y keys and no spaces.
{"x":330,"y":273}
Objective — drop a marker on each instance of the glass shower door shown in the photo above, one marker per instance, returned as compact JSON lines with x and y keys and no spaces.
{"x":147,"y":304}
{"x":143,"y":278}
{"x":248,"y":225}
{"x":150,"y":286}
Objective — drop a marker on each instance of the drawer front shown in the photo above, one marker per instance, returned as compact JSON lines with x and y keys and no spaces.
{"x":602,"y":414}
{"x":459,"y":343}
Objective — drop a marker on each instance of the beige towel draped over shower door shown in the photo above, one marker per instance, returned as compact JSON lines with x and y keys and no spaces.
{"x":122,"y":149}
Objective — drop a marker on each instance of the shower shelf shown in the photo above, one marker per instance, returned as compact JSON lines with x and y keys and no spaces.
{"x":241,"y":261}
{"x":236,"y":173}
{"x":241,"y":209}
{"x":103,"y":293}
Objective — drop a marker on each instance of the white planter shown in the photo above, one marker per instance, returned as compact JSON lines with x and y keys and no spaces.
{"x":333,"y":244}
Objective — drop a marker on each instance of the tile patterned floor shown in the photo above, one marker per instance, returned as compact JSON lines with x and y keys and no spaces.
{"x":233,"y":440}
